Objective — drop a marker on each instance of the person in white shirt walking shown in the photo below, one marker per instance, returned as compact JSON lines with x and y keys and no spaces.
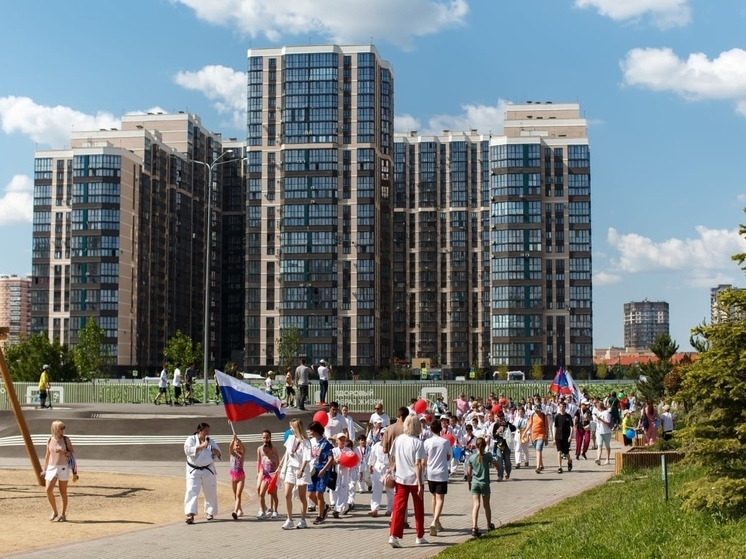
{"x":162,"y":386}
{"x":438,"y":453}
{"x":177,"y":386}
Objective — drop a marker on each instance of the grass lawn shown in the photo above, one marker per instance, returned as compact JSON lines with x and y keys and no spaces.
{"x":626,"y":517}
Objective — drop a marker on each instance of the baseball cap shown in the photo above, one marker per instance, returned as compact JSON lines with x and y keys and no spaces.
{"x":45,"y":367}
{"x":322,"y":362}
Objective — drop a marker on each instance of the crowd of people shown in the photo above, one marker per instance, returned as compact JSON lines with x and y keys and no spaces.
{"x":326,"y":464}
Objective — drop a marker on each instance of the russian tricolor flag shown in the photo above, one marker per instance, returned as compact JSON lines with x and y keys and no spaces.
{"x":243,"y":402}
{"x":563,"y":383}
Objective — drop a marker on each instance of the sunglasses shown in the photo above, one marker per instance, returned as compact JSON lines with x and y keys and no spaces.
{"x":63,"y":427}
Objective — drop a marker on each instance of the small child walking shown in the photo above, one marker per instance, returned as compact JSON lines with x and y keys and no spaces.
{"x":237,"y":474}
{"x":267,"y":460}
{"x":478,"y":476}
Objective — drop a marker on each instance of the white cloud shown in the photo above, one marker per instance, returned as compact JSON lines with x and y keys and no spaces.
{"x":695,"y":78}
{"x":16,"y":204}
{"x":606,"y":278}
{"x":485,"y":118}
{"x":406,"y":123}
{"x":699,"y":259}
{"x":224,"y":86}
{"x":664,"y":13}
{"x":341,"y":21}
{"x":741,"y":198}
{"x":48,"y":125}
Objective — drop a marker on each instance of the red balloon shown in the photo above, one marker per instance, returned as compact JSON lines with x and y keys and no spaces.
{"x":322,"y":417}
{"x":496,"y":408}
{"x":349,"y":459}
{"x":420,"y":406}
{"x":428,"y":418}
{"x":450,"y":438}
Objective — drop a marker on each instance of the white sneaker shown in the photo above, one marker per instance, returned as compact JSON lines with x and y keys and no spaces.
{"x":275,"y":516}
{"x":302,"y":524}
{"x":288,"y":525}
{"x":394,"y":542}
{"x":262,"y":515}
{"x":433,"y":530}
{"x":420,"y":541}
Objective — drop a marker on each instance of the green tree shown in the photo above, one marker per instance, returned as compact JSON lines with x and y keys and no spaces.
{"x":90,"y":353}
{"x":714,"y":388}
{"x":502,"y":372}
{"x":652,"y":389}
{"x":27,"y":357}
{"x":537,"y":372}
{"x":180,"y":350}
{"x":288,"y":345}
{"x":602,"y":370}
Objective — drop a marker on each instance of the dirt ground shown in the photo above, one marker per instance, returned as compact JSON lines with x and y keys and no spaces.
{"x":100,"y":504}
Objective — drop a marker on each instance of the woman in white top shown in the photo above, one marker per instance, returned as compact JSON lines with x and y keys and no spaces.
{"x":603,"y":432}
{"x":408,"y":461}
{"x":296,"y":471}
{"x":57,"y":469}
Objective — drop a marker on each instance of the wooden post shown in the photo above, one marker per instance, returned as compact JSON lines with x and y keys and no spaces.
{"x":20,"y":419}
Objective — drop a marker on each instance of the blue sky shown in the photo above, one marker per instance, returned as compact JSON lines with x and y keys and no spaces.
{"x":661,"y":82}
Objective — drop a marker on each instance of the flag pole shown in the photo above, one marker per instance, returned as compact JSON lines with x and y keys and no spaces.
{"x":232,"y":429}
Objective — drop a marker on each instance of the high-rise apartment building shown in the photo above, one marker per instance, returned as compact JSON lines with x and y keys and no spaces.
{"x":319,"y":237}
{"x":644,"y":321}
{"x":718,"y":313}
{"x":492,"y":243}
{"x":15,"y":307}
{"x":119,"y":235}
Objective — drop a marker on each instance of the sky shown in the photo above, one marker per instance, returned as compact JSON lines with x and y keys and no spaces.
{"x":662,"y":84}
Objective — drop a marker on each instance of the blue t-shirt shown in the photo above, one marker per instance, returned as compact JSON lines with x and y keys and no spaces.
{"x":321,"y":450}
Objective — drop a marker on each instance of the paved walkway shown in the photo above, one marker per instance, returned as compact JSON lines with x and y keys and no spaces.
{"x":525,"y":494}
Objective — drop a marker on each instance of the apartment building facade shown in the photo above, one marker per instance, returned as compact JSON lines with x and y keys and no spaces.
{"x":644,"y":321}
{"x":15,"y":306}
{"x":492,"y":244}
{"x":319,"y":238}
{"x":119,"y":236}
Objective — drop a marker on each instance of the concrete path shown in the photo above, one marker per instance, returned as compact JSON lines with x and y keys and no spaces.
{"x":364,"y":537}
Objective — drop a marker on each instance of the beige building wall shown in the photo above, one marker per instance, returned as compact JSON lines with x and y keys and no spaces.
{"x":15,"y":306}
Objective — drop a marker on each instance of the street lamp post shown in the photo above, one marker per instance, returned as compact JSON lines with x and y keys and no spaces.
{"x":208,"y":226}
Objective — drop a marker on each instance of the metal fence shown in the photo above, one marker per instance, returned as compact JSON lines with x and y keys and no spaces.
{"x":359,"y":396}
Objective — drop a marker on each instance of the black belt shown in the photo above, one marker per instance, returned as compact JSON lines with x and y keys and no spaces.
{"x":200,"y":468}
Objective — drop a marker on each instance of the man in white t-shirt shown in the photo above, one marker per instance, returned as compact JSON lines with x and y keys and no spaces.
{"x":335,"y":425}
{"x":378,"y":415}
{"x":438,"y":454}
{"x":177,"y":386}
{"x":323,"y":372}
{"x":162,"y":385}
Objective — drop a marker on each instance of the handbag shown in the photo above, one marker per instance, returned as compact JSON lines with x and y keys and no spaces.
{"x":332,"y":483}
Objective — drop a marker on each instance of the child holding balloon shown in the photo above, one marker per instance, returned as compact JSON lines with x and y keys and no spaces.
{"x":344,"y":460}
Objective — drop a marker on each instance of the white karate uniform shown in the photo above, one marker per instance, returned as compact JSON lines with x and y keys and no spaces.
{"x":379,"y":462}
{"x":341,"y":493}
{"x":200,"y":476}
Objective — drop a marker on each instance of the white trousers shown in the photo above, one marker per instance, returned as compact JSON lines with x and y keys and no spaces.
{"x":341,"y":493}
{"x":204,"y":481}
{"x":377,"y":493}
{"x":521,"y":453}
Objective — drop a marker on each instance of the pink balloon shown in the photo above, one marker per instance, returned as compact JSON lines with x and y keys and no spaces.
{"x":349,"y":459}
{"x":420,"y":406}
{"x":450,"y":438}
{"x":322,"y":417}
